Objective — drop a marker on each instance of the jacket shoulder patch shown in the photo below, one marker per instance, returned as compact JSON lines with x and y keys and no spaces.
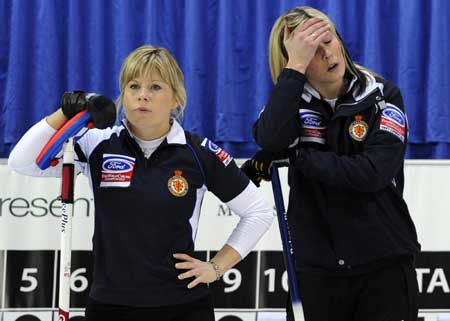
{"x":393,"y":120}
{"x":221,"y":154}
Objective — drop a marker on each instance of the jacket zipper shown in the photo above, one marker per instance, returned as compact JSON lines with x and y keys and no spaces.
{"x":378,"y":98}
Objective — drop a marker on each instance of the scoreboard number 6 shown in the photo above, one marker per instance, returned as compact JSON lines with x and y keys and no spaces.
{"x":78,"y":282}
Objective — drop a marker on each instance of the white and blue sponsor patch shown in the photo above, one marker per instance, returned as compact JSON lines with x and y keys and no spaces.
{"x":393,"y":120}
{"x":313,"y":126}
{"x":222,"y":155}
{"x":117,"y":170}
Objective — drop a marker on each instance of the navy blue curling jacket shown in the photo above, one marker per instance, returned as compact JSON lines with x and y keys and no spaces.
{"x":346,"y":210}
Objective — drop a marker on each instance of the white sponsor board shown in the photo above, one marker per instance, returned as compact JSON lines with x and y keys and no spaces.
{"x":30,"y":211}
{"x":30,"y":222}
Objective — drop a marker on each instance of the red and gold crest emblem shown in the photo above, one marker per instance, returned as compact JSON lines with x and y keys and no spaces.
{"x":177,"y":184}
{"x":358,"y":129}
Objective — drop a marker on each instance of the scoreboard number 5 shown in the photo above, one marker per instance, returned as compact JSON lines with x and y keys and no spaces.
{"x":28,"y":278}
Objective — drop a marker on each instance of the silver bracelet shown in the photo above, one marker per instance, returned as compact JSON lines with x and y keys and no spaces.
{"x":216,"y":269}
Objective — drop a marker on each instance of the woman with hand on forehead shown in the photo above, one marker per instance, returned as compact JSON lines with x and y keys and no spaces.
{"x":344,"y":130}
{"x":146,"y":219}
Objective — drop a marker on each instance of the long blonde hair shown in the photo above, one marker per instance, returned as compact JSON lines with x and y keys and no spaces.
{"x":278,"y":56}
{"x":146,"y":59}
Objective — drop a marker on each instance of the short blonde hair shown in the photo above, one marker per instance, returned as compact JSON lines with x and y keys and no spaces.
{"x":147,"y":59}
{"x":278,"y":56}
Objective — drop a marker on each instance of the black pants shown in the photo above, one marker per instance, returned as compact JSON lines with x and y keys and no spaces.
{"x":201,"y":310}
{"x":387,"y":294}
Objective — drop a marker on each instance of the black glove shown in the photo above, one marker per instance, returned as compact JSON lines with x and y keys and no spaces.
{"x":101,"y":108}
{"x":73,"y":102}
{"x":259,"y":166}
{"x":251,"y":172}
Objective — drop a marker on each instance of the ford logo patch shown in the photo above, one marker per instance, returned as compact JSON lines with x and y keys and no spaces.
{"x":311,"y":119}
{"x":117,"y":165}
{"x":395,"y":114}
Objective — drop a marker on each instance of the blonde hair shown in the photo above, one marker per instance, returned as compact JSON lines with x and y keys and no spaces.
{"x":147,"y":59}
{"x":278,"y":56}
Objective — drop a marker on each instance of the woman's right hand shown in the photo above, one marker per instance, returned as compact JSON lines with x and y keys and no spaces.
{"x":73,"y":102}
{"x":302,"y":42}
{"x":259,"y":166}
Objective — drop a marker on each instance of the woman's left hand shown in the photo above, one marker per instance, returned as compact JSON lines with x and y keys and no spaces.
{"x":202,"y":271}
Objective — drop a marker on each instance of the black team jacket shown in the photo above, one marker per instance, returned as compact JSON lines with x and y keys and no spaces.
{"x":346,"y":209}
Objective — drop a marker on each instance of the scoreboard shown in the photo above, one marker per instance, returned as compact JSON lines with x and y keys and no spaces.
{"x":255,"y":289}
{"x":29,"y":287}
